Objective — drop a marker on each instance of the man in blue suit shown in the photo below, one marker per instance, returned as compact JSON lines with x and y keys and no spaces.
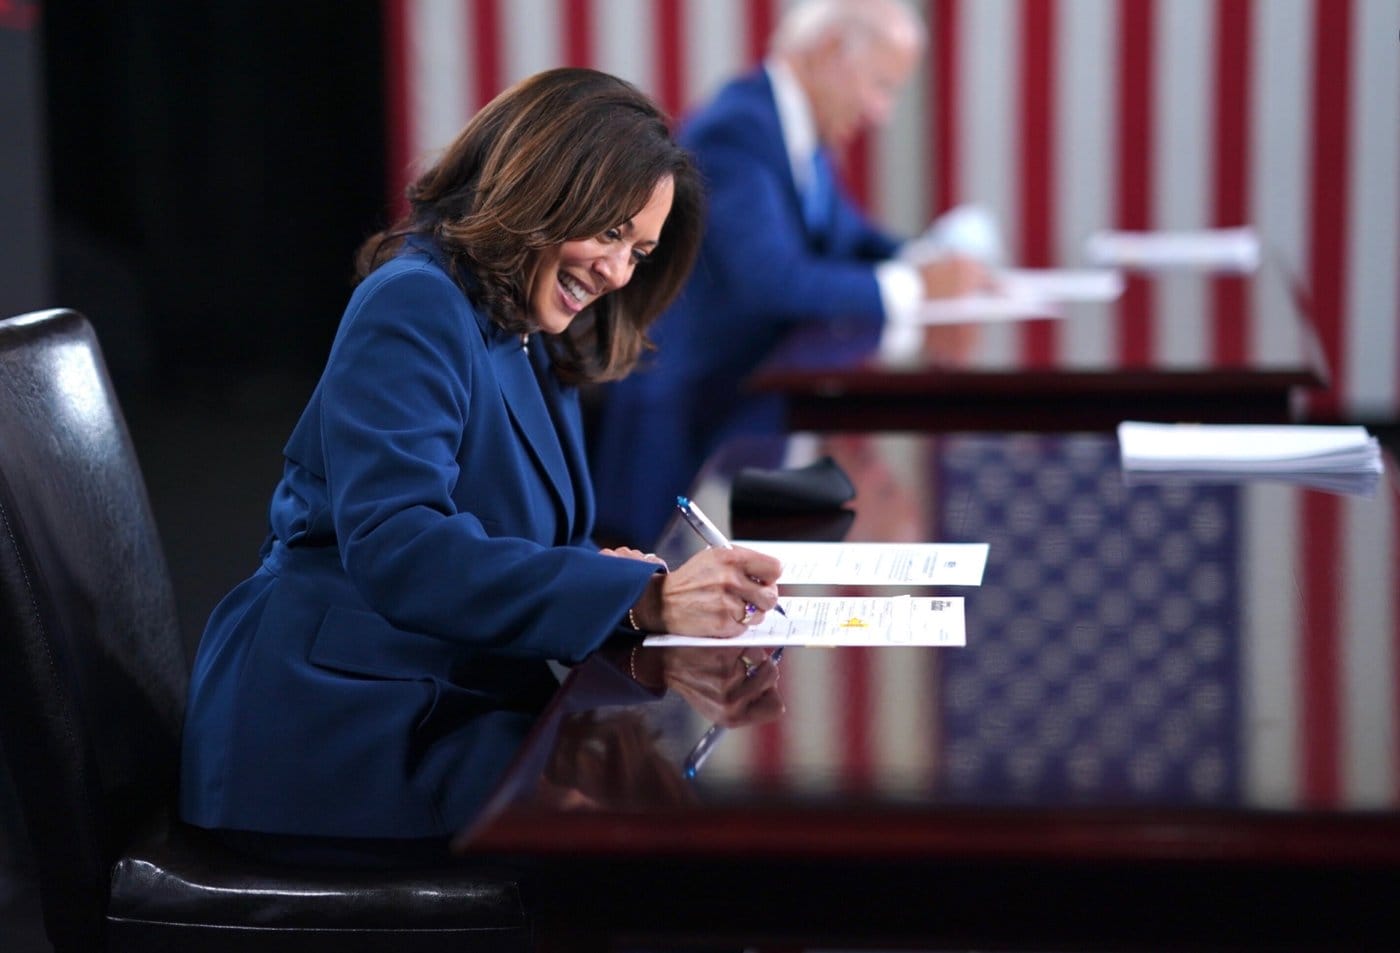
{"x":784,"y":247}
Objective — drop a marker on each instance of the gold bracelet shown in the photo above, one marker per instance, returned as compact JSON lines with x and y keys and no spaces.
{"x":632,"y":619}
{"x":632,"y":663}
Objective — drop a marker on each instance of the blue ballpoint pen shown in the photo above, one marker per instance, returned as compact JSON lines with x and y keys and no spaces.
{"x":713,"y":538}
{"x":708,"y":531}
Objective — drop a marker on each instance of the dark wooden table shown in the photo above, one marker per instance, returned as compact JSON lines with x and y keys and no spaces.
{"x":1175,"y":725}
{"x":1248,"y":361}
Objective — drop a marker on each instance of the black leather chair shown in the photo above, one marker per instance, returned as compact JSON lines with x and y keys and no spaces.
{"x":92,"y":687}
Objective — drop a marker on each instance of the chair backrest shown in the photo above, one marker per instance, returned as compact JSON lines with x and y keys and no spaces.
{"x":92,"y":665}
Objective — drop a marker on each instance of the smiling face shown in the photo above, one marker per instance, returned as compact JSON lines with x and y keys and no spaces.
{"x":569,"y":277}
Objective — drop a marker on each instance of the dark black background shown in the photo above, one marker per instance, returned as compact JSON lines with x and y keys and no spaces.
{"x":210,"y":169}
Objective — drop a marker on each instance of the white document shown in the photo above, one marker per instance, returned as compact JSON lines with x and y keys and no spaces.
{"x":970,"y":231}
{"x":981,"y":308}
{"x":843,"y":620}
{"x":876,"y":564}
{"x":1061,"y":284}
{"x":1252,"y":448}
{"x":1022,"y":294}
{"x":1224,"y":249}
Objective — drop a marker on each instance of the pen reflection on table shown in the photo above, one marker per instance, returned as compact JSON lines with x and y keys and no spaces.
{"x":713,"y":538}
{"x":696,"y":759}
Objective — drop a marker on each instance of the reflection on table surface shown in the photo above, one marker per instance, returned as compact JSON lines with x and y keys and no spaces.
{"x":1135,"y":648}
{"x":1174,"y":726}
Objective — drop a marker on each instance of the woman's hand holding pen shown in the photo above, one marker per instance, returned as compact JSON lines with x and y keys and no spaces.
{"x":729,"y":687}
{"x":711,"y":594}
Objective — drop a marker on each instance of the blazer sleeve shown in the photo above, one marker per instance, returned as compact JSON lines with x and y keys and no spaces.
{"x":757,"y":247}
{"x":398,"y":394}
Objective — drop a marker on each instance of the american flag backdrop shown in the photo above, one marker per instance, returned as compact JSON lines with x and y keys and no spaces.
{"x":1108,"y":660}
{"x":1061,"y":117}
{"x":1130,"y":643}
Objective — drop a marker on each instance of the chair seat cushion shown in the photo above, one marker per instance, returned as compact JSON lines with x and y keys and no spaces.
{"x":182,"y":882}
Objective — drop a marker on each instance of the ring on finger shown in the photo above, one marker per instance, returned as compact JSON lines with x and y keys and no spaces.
{"x":750,"y":666}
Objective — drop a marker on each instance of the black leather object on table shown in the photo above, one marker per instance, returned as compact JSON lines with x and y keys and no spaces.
{"x":819,"y":485}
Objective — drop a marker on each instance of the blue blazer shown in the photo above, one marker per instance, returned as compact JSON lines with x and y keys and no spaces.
{"x":761,"y":272}
{"x":429,"y":551}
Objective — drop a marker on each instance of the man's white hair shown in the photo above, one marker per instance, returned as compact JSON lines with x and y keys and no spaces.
{"x":811,"y":22}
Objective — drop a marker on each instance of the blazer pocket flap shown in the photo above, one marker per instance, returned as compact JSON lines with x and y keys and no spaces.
{"x":353,"y":640}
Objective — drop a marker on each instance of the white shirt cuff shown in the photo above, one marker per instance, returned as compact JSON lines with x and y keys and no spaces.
{"x":901,"y":291}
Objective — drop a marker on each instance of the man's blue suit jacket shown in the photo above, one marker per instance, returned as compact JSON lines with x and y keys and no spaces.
{"x":761,"y":272}
{"x":430,"y":550}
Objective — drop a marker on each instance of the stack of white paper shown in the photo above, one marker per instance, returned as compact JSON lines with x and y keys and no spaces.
{"x":1061,"y":284}
{"x":1222,"y":249}
{"x":1345,"y":459}
{"x":1022,"y":293}
{"x":982,"y":309}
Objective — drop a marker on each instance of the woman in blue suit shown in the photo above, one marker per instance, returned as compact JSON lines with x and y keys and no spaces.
{"x":430,"y":536}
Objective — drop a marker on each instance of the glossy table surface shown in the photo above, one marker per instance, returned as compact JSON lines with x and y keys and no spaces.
{"x":1170,"y":688}
{"x":1174,"y":346}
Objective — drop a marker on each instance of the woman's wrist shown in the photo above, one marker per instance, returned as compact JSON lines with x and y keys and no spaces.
{"x":647,"y":666}
{"x":646,"y":614}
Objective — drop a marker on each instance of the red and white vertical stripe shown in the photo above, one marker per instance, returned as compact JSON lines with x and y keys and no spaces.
{"x":1061,"y":117}
{"x":1321,"y":663}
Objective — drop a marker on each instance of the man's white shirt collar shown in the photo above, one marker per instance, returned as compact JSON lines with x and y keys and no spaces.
{"x":794,"y":118}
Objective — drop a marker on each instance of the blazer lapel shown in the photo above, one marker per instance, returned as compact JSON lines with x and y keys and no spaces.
{"x":569,"y":419}
{"x":526,"y":406}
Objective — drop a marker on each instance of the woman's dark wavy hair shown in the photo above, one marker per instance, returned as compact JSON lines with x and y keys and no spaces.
{"x":565,"y":154}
